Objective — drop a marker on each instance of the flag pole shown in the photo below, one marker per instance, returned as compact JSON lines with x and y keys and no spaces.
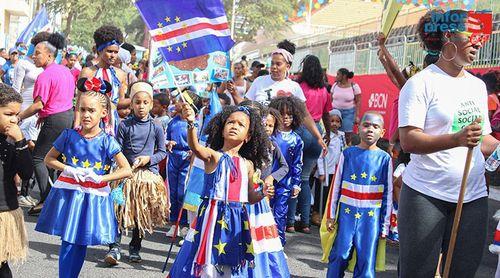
{"x":458,"y":214}
{"x":233,"y":19}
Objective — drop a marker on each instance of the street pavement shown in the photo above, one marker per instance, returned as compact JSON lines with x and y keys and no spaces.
{"x":304,"y":253}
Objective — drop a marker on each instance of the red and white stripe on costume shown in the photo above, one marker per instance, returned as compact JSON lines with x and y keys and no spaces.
{"x":99,"y":189}
{"x":189,"y":29}
{"x":362,"y":196}
{"x":263,"y":228}
{"x":237,"y":189}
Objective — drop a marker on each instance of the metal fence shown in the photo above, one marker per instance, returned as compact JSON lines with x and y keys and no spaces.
{"x":365,"y":60}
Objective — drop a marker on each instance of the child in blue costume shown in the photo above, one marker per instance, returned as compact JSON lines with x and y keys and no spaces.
{"x":270,"y":261}
{"x":361,"y":201}
{"x":146,"y":198}
{"x":291,"y":145}
{"x":79,"y":208}
{"x":221,"y":244}
{"x":178,"y":162}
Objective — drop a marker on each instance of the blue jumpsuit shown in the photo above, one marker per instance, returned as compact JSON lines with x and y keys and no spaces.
{"x":178,"y":166}
{"x":291,"y":147}
{"x":361,"y":202}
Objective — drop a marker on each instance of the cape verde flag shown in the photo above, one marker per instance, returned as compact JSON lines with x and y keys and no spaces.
{"x":188,"y":28}
{"x":39,"y":23}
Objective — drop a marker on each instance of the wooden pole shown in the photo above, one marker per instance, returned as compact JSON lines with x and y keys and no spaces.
{"x":458,"y":214}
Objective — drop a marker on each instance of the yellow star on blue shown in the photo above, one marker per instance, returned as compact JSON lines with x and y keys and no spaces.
{"x":250,"y":248}
{"x":107,"y":167}
{"x":357,"y":215}
{"x":177,"y":19}
{"x":184,"y":44}
{"x":98,"y":165}
{"x":63,"y":158}
{"x":223,"y":224}
{"x":371,"y":213}
{"x":373,"y":178}
{"x":169,"y":48}
{"x":160,"y":25}
{"x":74,"y":160}
{"x":178,"y":49}
{"x":220,"y":247}
{"x":364,"y":175}
{"x":167,"y":19}
{"x":86,"y":164}
{"x":347,"y":210}
{"x":353,"y":177}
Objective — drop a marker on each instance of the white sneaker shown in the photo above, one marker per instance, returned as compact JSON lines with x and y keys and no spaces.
{"x":23,"y":202}
{"x":170,"y":232}
{"x":32,"y":200}
{"x":184,"y":232}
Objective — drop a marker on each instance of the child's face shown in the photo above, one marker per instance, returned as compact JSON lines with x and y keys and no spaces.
{"x":287,"y":119}
{"x":8,"y":115}
{"x":236,"y":127}
{"x":371,"y":128}
{"x":335,"y":123}
{"x":158,"y":109}
{"x":142,"y":105}
{"x":124,"y":112}
{"x":91,"y":112}
{"x":270,"y":123}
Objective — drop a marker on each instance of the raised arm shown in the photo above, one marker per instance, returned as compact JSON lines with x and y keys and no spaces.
{"x":390,"y":66}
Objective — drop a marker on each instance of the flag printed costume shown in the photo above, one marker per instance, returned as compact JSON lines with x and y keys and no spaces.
{"x":177,"y":166}
{"x":361,"y":198}
{"x":221,"y":243}
{"x":81,"y":213}
{"x":291,"y":146}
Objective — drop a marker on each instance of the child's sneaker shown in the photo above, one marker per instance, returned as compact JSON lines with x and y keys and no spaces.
{"x":32,"y":200}
{"x":134,"y":256}
{"x":113,"y":256}
{"x":170,"y":232}
{"x":23,"y":201}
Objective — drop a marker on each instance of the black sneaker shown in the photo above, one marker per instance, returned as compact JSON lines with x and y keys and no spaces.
{"x":113,"y":256}
{"x":134,"y":256}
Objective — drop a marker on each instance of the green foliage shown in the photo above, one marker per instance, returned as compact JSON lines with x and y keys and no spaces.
{"x":254,"y":15}
{"x":83,"y":17}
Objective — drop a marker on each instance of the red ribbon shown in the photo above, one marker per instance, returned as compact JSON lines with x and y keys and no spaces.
{"x":93,"y":84}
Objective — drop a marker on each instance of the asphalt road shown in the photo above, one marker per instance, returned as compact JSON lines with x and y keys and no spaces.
{"x":304,"y":253}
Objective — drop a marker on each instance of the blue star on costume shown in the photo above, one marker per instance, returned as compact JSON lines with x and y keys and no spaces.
{"x":364,"y":208}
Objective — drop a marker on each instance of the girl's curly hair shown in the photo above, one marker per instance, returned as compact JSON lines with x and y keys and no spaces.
{"x":277,"y":118}
{"x":290,"y":105}
{"x":257,"y":149}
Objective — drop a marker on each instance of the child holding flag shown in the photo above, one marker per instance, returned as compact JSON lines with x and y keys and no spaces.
{"x":360,"y":202}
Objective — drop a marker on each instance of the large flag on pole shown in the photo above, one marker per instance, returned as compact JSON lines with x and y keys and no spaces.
{"x":39,"y":23}
{"x":186,"y":29}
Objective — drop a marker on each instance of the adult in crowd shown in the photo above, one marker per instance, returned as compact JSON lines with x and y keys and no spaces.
{"x":71,"y":61}
{"x":318,"y":104}
{"x":123,"y":63}
{"x":346,"y":97}
{"x":53,"y":95}
{"x":133,"y":53}
{"x":7,"y":71}
{"x":238,"y":83}
{"x":107,"y":40}
{"x":4,"y":56}
{"x":442,"y":113}
{"x":276,"y":84}
{"x":25,"y":75}
{"x":255,"y":68}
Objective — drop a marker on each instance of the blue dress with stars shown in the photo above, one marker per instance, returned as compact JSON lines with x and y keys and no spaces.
{"x":81,"y":212}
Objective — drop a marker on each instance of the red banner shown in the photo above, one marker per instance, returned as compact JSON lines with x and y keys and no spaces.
{"x":378,"y":93}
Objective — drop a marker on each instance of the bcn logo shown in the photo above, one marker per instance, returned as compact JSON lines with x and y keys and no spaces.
{"x":378,"y":100}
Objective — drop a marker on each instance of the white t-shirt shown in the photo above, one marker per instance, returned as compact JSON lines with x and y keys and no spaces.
{"x":264,"y":88}
{"x":441,"y":104}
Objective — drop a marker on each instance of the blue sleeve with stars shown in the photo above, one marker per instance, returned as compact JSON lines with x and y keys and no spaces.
{"x":60,"y":143}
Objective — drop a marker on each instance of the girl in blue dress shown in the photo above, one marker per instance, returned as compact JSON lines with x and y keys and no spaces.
{"x":79,"y":208}
{"x":221,"y":243}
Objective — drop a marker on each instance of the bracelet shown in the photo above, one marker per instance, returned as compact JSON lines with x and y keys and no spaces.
{"x":192,"y":125}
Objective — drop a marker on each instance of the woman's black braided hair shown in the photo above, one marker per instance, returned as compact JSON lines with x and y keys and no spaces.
{"x":257,"y":148}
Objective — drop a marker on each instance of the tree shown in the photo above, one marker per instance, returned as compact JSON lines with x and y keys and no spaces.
{"x":83,"y":17}
{"x":254,"y":15}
